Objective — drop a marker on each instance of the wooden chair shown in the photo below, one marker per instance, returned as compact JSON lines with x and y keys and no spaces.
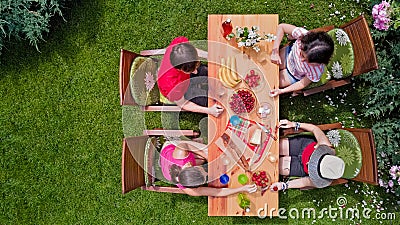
{"x":364,"y":53}
{"x":369,"y":169}
{"x":126,"y":59}
{"x":137,"y":163}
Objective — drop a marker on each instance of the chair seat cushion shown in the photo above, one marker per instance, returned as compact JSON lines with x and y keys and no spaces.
{"x":164,"y":100}
{"x":143,"y":81}
{"x":348,"y":149}
{"x":342,"y":62}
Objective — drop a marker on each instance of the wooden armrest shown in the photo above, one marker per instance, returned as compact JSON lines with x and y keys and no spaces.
{"x":161,"y":132}
{"x":153,"y":52}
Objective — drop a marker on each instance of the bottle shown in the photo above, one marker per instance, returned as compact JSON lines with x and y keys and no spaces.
{"x":244,"y":202}
{"x":227,"y":27}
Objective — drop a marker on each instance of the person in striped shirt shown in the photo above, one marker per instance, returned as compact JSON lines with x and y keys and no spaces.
{"x":303,"y":62}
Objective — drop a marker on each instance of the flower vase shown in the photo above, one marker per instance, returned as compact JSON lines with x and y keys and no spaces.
{"x":263,"y":54}
{"x":248,"y":51}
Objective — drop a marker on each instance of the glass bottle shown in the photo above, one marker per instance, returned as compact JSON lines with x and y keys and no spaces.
{"x":227,"y":27}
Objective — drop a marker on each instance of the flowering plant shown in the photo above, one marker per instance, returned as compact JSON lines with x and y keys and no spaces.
{"x":249,"y":37}
{"x":382,"y":14}
{"x":393,"y":180}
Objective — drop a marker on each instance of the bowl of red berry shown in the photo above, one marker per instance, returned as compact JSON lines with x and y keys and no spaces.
{"x":253,"y":78}
{"x":261,"y":179}
{"x":242,"y":101}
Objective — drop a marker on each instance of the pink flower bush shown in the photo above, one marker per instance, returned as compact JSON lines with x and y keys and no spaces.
{"x":394,"y":180}
{"x":381,"y":15}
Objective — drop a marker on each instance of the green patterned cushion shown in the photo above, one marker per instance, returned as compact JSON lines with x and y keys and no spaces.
{"x":149,"y":153}
{"x":153,"y":173}
{"x":165,"y":100}
{"x":347,"y":148}
{"x":342,"y":62}
{"x":143,"y":81}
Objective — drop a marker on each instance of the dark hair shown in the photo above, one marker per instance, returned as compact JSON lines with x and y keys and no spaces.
{"x":188,"y":177}
{"x":318,"y":47}
{"x":184,"y":57}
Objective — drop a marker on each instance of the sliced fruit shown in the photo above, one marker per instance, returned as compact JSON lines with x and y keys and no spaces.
{"x":233,"y":68}
{"x":222,"y":77}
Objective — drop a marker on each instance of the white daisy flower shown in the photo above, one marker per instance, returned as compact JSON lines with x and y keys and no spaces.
{"x":337,"y":70}
{"x":334,"y":137}
{"x":342,"y":37}
{"x":270,"y":37}
{"x":240,"y":44}
{"x":252,"y":34}
{"x":239,"y":31}
{"x":149,"y":81}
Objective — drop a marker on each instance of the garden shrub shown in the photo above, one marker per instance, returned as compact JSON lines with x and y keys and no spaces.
{"x":27,"y":19}
{"x":382,"y":104}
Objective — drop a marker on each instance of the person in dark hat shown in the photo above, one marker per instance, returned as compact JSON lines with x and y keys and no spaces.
{"x":312,"y":158}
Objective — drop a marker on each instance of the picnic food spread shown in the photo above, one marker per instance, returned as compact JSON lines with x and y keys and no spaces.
{"x":240,"y":82}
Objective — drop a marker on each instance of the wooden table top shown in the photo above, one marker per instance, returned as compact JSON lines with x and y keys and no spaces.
{"x":246,"y":59}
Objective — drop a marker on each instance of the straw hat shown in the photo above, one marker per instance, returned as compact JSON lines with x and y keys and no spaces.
{"x":324,"y":166}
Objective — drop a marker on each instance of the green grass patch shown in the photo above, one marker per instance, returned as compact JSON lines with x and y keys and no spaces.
{"x":61,"y":122}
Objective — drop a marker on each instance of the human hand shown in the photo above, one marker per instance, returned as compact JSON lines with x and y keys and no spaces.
{"x":250,"y":188}
{"x":275,"y":92}
{"x":277,"y":186}
{"x":215,"y":110}
{"x":275,"y":58}
{"x":286,"y":124}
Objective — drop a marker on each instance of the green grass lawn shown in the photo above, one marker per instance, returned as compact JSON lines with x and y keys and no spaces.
{"x":61,"y":122}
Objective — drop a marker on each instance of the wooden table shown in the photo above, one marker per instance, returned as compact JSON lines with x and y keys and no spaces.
{"x":219,"y":47}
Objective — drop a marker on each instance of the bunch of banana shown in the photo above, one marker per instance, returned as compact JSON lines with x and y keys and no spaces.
{"x":227,"y":72}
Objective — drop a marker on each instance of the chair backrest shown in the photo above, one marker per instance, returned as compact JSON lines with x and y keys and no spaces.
{"x":125,"y":62}
{"x":364,"y":51}
{"x":132,"y":173}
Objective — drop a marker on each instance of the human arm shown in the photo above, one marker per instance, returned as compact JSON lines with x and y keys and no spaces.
{"x":293,"y":87}
{"x":195,"y":147}
{"x":219,"y":192}
{"x":202,"y":54}
{"x":282,"y":29}
{"x":295,"y":183}
{"x":322,"y":139}
{"x":214,"y":110}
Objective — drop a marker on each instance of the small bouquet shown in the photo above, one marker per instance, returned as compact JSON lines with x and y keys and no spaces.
{"x":249,"y":37}
{"x":382,"y":14}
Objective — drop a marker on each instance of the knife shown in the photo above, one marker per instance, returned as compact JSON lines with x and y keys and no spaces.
{"x":266,"y":131}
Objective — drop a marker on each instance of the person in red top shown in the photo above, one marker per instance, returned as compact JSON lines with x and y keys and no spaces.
{"x":302,"y":62}
{"x":181,"y":77}
{"x":311,"y":158}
